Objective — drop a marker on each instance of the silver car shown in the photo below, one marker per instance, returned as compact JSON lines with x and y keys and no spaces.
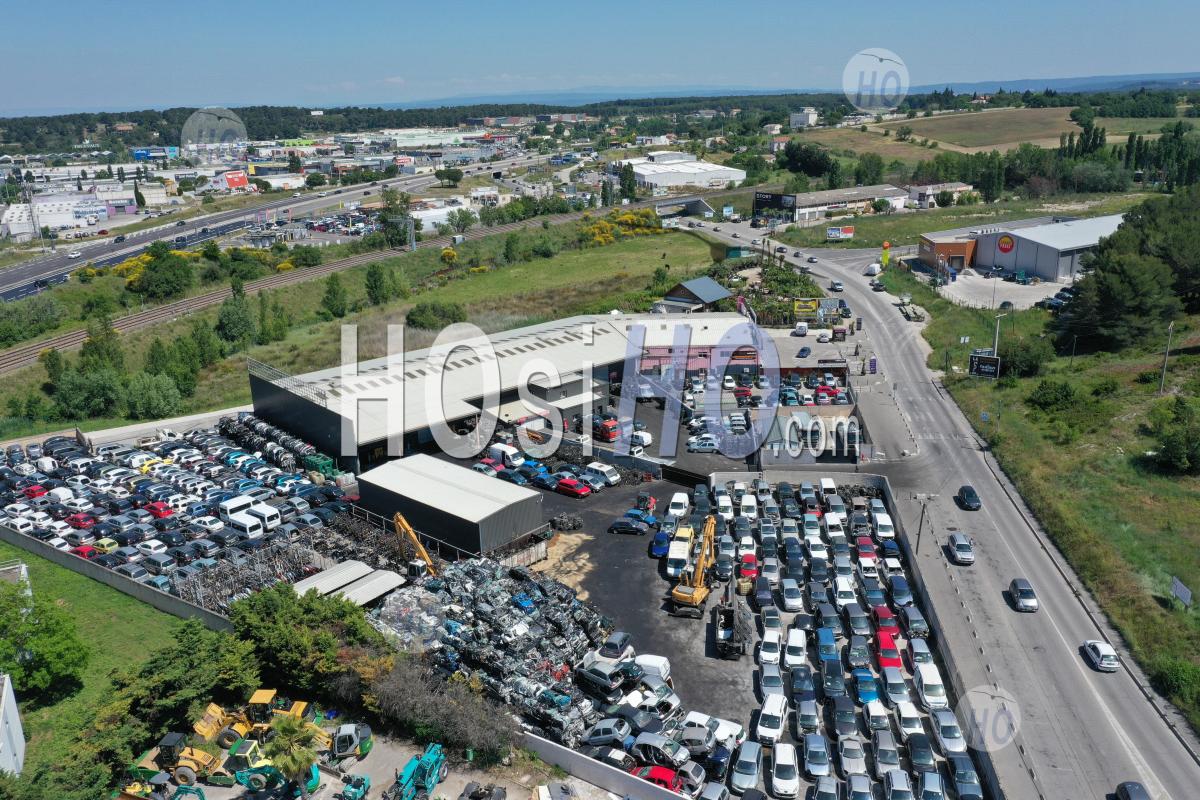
{"x":961,"y":550}
{"x":816,"y":756}
{"x":793,"y":598}
{"x":887,"y":755}
{"x":746,"y":767}
{"x":1023,"y":596}
{"x":770,"y":680}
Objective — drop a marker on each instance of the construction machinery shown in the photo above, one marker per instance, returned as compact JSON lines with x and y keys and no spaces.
{"x":266,"y":776}
{"x":420,"y":775}
{"x":356,"y":787}
{"x":343,"y":748}
{"x":405,"y":531}
{"x":689,"y":598}
{"x":185,"y":763}
{"x":734,"y":626}
{"x":252,"y":721}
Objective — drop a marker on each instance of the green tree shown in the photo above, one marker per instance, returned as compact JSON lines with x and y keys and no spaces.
{"x":869,"y":169}
{"x":264,"y":319}
{"x":512,"y":248}
{"x":138,"y":197}
{"x":166,"y":276}
{"x":796,"y":184}
{"x":102,"y":348}
{"x":433,"y":315}
{"x":292,"y":751}
{"x":158,"y":357}
{"x":378,"y":289}
{"x":605,"y":193}
{"x":304,"y":255}
{"x":152,"y":396}
{"x":314,"y":179}
{"x":334,"y":300}
{"x":1176,"y":426}
{"x":944,"y":198}
{"x":184,"y":365}
{"x":1124,"y":300}
{"x":881,"y":206}
{"x":86,"y":395}
{"x":52,"y":359}
{"x":833,"y":177}
{"x":1024,"y":358}
{"x":294,"y":164}
{"x":208,"y":346}
{"x":628,"y":182}
{"x":235,"y":321}
{"x":211,"y":250}
{"x":461,"y":219}
{"x":39,"y":646}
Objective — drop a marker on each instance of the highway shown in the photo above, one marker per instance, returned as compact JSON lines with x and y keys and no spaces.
{"x":1082,"y":732}
{"x":22,"y":280}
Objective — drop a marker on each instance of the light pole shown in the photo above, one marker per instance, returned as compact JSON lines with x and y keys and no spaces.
{"x":996,"y":338}
{"x":1162,"y":380}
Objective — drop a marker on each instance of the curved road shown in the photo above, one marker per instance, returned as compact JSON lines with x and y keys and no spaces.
{"x":1082,"y":732}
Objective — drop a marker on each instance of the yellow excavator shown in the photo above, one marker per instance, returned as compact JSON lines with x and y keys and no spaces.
{"x":690,"y":595}
{"x":405,"y":531}
{"x":253,"y":721}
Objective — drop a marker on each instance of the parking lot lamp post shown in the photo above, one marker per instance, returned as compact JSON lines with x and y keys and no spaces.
{"x":996,"y":338}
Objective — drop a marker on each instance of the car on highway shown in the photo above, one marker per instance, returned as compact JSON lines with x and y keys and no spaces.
{"x":836,"y":286}
{"x":1132,"y":790}
{"x":1023,"y":597}
{"x":1101,"y":655}
{"x":74,"y":254}
{"x":961,"y":551}
{"x":812,"y":259}
{"x":968,"y":498}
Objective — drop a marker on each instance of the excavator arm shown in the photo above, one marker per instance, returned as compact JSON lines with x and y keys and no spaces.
{"x":405,"y":531}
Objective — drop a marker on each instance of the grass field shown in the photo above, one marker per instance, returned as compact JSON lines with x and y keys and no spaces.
{"x":1125,"y":526}
{"x":121,"y":631}
{"x":574,"y":281}
{"x":856,"y":142}
{"x":1008,"y":127}
{"x":906,"y":228}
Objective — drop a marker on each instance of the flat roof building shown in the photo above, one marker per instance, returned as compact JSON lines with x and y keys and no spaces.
{"x":814,"y":205}
{"x":665,"y":169}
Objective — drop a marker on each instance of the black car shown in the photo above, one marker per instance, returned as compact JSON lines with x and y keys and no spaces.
{"x":804,"y":352}
{"x":716,"y":766}
{"x":172,"y":538}
{"x":920,"y":753}
{"x":803,"y":687}
{"x":968,"y":498}
{"x":630,"y":526}
{"x":804,"y":622}
{"x":183,"y":555}
{"x":845,"y":715}
{"x":108,"y":561}
{"x":763,"y":596}
{"x":818,"y":570}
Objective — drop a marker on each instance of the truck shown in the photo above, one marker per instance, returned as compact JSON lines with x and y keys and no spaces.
{"x":734,"y":626}
{"x":605,"y":430}
{"x":506,"y":454}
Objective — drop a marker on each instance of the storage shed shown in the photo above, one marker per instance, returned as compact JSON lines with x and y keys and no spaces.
{"x":371,"y":588}
{"x":334,"y":578}
{"x":452,"y":504}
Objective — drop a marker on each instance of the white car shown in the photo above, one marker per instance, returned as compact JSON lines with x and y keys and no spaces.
{"x":705,"y":437}
{"x":795,"y":653}
{"x":746,"y":546}
{"x":1101,"y":655}
{"x":772,"y":720}
{"x":210,"y":524}
{"x":769,"y":650}
{"x":40,"y":519}
{"x":74,"y":254}
{"x":59,"y":528}
{"x":729,"y":383}
{"x":908,"y":721}
{"x":679,"y":505}
{"x":785,"y":771}
{"x":78,"y":504}
{"x":876,"y":716}
{"x":14,"y":510}
{"x":58,"y":543}
{"x":949,"y":735}
{"x":151,"y":547}
{"x":723,"y":730}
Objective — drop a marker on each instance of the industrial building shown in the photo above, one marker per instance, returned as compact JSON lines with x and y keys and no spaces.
{"x":1047,"y":248}
{"x":926,"y":196}
{"x":453,"y":504}
{"x":804,"y":118}
{"x":816,"y":205}
{"x":426,"y":388}
{"x":666,"y":169}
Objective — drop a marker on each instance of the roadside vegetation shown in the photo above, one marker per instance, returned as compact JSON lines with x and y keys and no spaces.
{"x":1110,"y":466}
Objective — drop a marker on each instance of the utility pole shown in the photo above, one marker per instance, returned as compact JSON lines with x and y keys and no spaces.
{"x":1162,"y":380}
{"x":1073,"y":340}
{"x":996,"y":338}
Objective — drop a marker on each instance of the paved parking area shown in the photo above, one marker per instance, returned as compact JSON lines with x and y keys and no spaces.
{"x":972,"y":289}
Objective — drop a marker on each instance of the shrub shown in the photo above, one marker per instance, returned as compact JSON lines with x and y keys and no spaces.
{"x":1052,"y":395}
{"x":1105,"y":387}
{"x":1024,"y":358}
{"x":435,"y":316}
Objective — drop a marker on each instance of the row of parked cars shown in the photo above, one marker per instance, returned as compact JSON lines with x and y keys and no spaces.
{"x":164,"y":510}
{"x":507,"y":463}
{"x":851,"y":694}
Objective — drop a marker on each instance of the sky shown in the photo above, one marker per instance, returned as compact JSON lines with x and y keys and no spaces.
{"x":134,"y":54}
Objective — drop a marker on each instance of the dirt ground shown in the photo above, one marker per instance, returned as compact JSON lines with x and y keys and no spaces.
{"x":567,"y":560}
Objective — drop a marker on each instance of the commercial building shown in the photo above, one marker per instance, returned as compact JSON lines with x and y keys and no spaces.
{"x":926,"y":196}
{"x":666,"y":169}
{"x":816,"y":205}
{"x":234,"y":180}
{"x":1048,"y":248}
{"x":57,"y":212}
{"x":804,"y":118}
{"x":454,"y":504}
{"x":697,"y":294}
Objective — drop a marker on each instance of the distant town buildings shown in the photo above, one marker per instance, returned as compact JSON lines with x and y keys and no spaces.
{"x":804,"y":118}
{"x":665,"y":169}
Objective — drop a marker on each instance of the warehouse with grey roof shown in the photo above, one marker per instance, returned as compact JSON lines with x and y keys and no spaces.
{"x":1050,"y":252}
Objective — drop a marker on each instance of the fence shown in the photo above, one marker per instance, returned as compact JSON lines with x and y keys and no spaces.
{"x":285,"y":381}
{"x":147,"y":594}
{"x":620,"y":783}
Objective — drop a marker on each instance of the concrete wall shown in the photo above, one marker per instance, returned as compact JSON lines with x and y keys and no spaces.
{"x":147,"y":594}
{"x":621,"y":784}
{"x":12,"y":735}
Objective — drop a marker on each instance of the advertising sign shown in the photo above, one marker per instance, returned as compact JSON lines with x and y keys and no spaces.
{"x":984,"y":366}
{"x":839,"y":234}
{"x":726,"y":211}
{"x":1006,"y":243}
{"x":806,"y":305}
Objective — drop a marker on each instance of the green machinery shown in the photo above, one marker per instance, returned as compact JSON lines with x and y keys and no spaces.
{"x":420,"y":775}
{"x":256,"y":779}
{"x":188,"y":791}
{"x":356,"y":787}
{"x":319,"y":462}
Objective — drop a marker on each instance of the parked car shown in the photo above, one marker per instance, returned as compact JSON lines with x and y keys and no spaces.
{"x":817,"y":762}
{"x":746,"y":768}
{"x":785,"y":771}
{"x":625,"y":525}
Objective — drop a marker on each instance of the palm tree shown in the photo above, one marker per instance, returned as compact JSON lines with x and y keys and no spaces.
{"x":291,"y":750}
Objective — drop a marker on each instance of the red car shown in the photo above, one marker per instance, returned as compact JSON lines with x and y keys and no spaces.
{"x":749,"y":566}
{"x":742,"y":391}
{"x":885,"y":649}
{"x":659,"y":776}
{"x":81,"y":521}
{"x":573,"y":488}
{"x":158,"y":509}
{"x":85,"y":551}
{"x":866,"y":547}
{"x":885,"y":621}
{"x":37,"y":490}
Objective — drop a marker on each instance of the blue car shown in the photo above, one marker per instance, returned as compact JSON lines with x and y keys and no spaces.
{"x":512,"y":476}
{"x":530,"y":461}
{"x":805,"y":352}
{"x":642,"y":516}
{"x":866,"y":687}
{"x":523,"y":602}
{"x":898,"y":589}
{"x":544,"y":480}
{"x":660,"y":544}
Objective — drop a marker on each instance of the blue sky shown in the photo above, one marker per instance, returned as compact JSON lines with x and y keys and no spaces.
{"x":137,"y":54}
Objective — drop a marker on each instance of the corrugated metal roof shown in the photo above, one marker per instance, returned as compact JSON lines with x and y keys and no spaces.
{"x":334,"y":578}
{"x":460,"y":491}
{"x":1073,"y":235}
{"x":372,"y":587}
{"x":705,"y":288}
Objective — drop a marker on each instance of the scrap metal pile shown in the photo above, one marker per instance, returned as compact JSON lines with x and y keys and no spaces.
{"x":349,"y":538}
{"x":282,"y":449}
{"x":517,"y":633}
{"x":219,"y":586}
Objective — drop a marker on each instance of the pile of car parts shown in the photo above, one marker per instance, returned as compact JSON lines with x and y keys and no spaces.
{"x":517,"y":633}
{"x":219,"y":586}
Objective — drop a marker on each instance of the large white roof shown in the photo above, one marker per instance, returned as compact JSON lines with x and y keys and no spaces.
{"x":467,"y":494}
{"x":1073,"y":235}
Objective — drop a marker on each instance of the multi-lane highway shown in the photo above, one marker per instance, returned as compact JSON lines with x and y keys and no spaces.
{"x":1081,"y":732}
{"x":28,"y":278}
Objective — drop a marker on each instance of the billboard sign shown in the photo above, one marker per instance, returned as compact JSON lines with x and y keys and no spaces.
{"x":1006,"y":243}
{"x":726,"y":211}
{"x":839,"y":234}
{"x":782,"y":202}
{"x":806,"y":305}
{"x":984,"y":366}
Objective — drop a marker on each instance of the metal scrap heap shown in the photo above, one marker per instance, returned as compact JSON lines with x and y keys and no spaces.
{"x":517,"y":633}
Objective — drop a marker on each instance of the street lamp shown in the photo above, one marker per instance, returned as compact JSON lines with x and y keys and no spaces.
{"x":996,"y":338}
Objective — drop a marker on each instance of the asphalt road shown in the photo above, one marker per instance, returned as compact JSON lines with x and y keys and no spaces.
{"x":20,"y":280}
{"x":1082,"y":732}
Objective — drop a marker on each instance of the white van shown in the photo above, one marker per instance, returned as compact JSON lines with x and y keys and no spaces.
{"x":929,"y":687}
{"x":725,"y":507}
{"x":843,"y":592}
{"x":234,"y":505}
{"x":801,"y":329}
{"x":883,"y":527}
{"x":604,"y":472}
{"x":749,"y":507}
{"x":266,"y":514}
{"x":61,"y":494}
{"x":20,"y":525}
{"x":248,"y":526}
{"x":828,"y":487}
{"x":679,"y":505}
{"x":506,"y":454}
{"x":833,"y":525}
